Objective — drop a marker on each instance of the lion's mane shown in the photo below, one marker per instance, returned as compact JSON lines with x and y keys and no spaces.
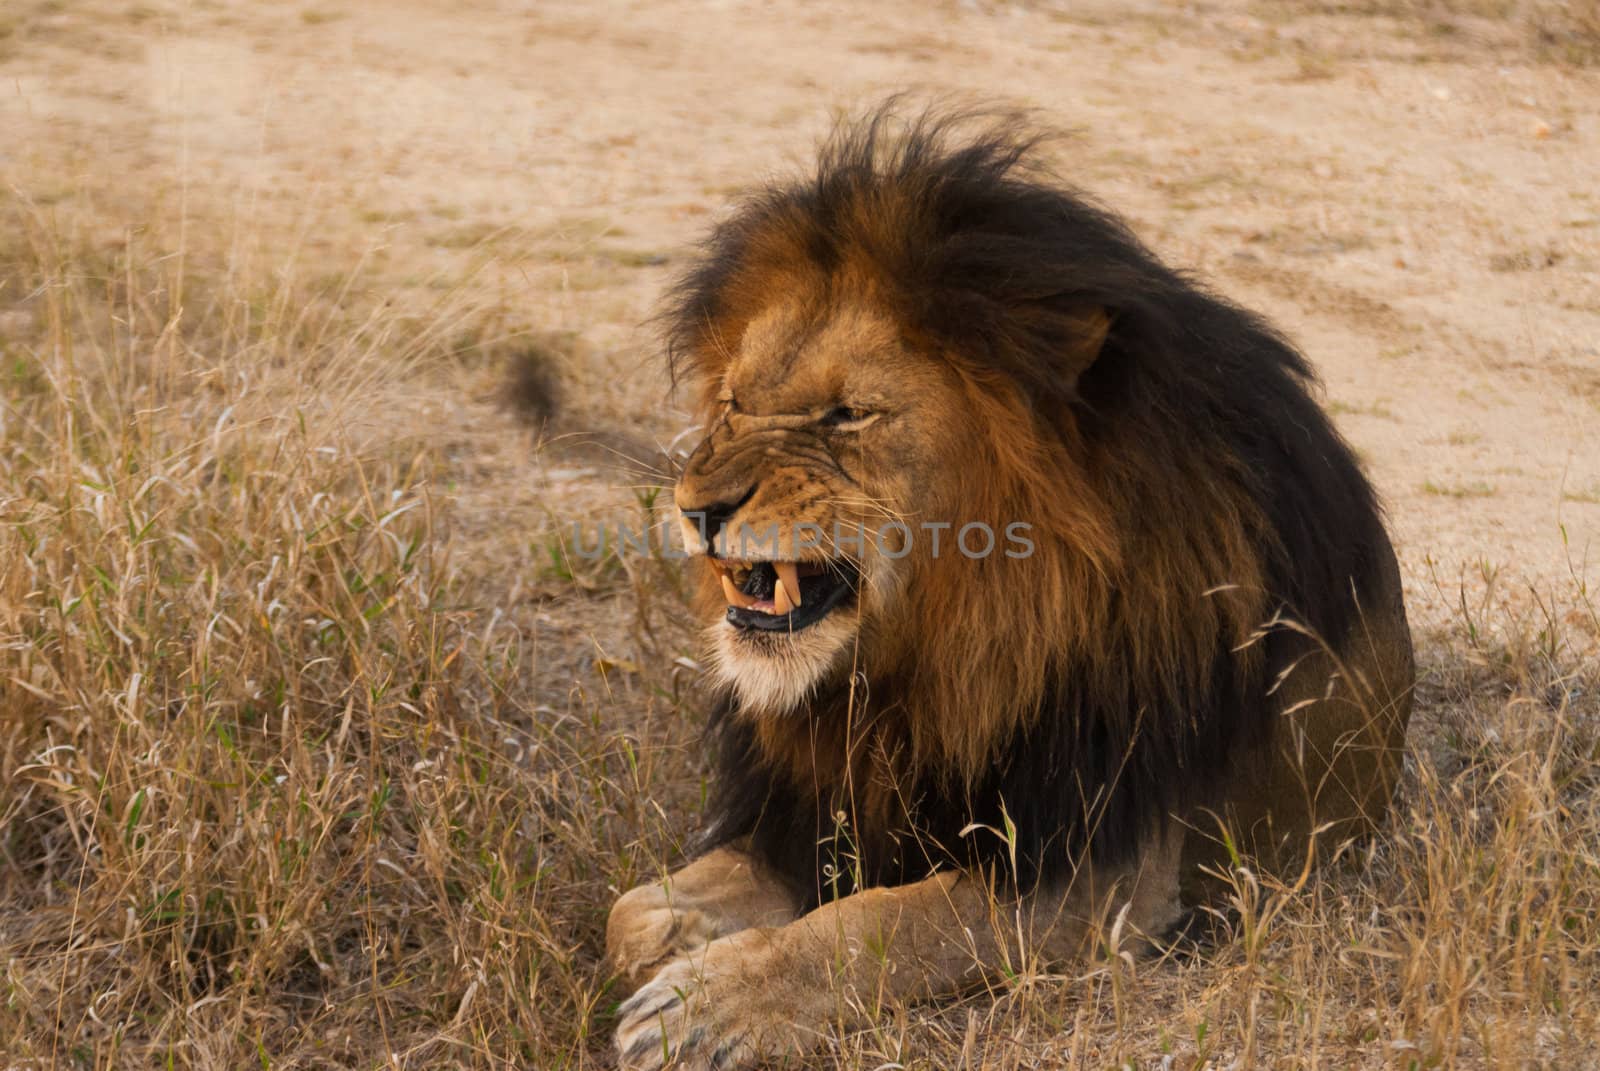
{"x":1184,"y":488}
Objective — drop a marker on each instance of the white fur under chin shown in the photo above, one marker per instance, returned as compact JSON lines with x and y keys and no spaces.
{"x":775,"y":673}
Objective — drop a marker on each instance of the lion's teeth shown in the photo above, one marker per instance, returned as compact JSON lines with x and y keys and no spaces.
{"x":788,"y":581}
{"x":780,"y":599}
{"x":734,"y":595}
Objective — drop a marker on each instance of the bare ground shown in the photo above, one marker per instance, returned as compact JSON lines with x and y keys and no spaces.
{"x":1417,"y":206}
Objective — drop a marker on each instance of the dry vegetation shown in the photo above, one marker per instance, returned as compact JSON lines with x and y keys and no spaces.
{"x":273,"y":796}
{"x":277,"y":793}
{"x":310,"y":756}
{"x":1567,"y":29}
{"x":1563,"y":31}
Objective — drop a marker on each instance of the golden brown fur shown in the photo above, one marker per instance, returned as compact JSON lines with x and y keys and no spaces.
{"x":1208,"y":625}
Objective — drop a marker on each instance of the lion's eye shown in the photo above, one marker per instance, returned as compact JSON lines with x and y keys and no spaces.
{"x":846,"y":417}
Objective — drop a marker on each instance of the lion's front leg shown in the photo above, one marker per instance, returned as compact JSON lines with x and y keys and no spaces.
{"x":771,"y":991}
{"x":722,"y":892}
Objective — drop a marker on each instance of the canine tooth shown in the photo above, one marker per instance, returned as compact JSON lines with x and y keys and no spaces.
{"x":789,"y":579}
{"x":781,"y":603}
{"x":734,"y":595}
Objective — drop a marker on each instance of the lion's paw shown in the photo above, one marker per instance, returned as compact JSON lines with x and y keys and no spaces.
{"x":644,"y":933}
{"x":710,"y":1012}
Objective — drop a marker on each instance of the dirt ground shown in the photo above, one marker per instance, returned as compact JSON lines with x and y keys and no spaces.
{"x":1422,"y":217}
{"x":1415,"y":202}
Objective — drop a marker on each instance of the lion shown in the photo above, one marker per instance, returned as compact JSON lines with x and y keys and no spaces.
{"x":1036,"y":584}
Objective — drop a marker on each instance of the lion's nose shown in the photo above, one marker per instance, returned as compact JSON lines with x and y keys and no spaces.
{"x":713,"y":517}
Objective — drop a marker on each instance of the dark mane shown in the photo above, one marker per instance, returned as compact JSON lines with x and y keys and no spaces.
{"x":1212,"y":495}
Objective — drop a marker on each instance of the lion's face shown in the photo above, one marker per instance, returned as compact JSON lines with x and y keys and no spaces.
{"x":830,"y":442}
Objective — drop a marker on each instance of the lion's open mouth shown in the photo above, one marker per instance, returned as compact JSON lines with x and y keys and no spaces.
{"x":784,"y":596}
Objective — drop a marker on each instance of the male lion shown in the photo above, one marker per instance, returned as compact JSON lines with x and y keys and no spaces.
{"x":1185,"y":620}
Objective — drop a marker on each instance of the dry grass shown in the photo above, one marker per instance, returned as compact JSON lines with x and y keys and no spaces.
{"x":1565,"y":31}
{"x":270,"y":797}
{"x":284,"y":784}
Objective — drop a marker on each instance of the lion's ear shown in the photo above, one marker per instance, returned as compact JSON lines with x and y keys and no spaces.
{"x":1089,"y":325}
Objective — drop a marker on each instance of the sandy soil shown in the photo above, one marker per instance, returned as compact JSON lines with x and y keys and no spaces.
{"x":1424,"y":220}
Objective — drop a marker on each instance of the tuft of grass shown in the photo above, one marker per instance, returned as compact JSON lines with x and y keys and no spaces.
{"x":313,"y":16}
{"x":636,"y":258}
{"x":1567,"y":30}
{"x":1379,"y":410}
{"x":1563,"y":31}
{"x":1471,"y":489}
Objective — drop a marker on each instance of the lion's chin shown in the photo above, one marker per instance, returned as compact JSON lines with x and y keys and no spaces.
{"x":774,"y":673}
